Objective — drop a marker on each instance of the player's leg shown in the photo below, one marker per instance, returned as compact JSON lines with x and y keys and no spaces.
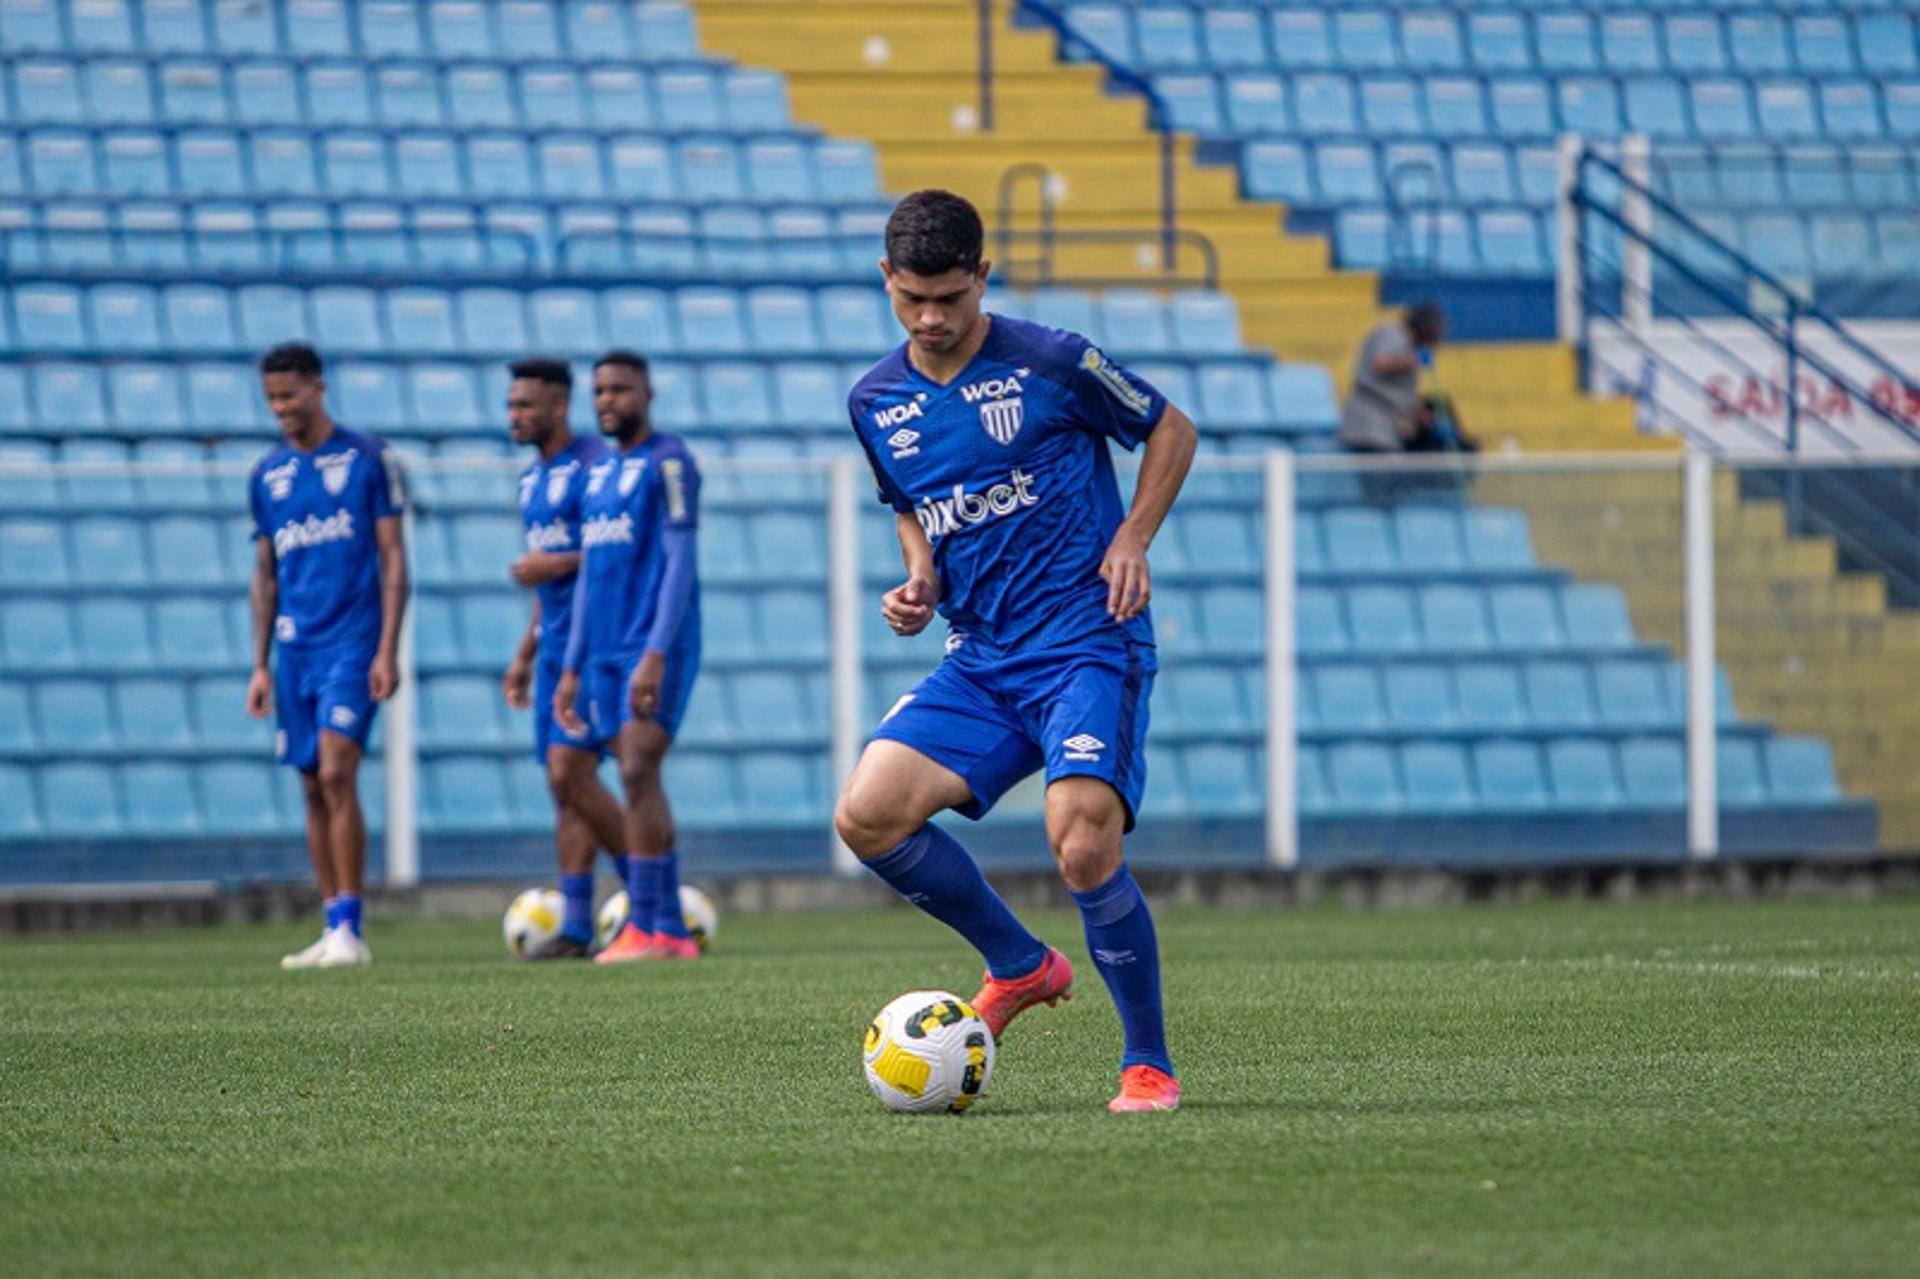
{"x":572,"y":781}
{"x":1095,"y":723}
{"x":339,"y":785}
{"x":946,"y":746}
{"x":642,"y":748}
{"x":574,"y":778}
{"x":297,"y":746}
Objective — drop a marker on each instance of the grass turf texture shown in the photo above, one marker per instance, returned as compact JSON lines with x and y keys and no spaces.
{"x":1555,"y":1089}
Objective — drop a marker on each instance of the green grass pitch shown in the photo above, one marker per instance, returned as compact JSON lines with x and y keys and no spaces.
{"x":1556,"y":1089}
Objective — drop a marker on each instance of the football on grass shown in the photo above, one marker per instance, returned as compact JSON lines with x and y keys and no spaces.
{"x":533,"y":920}
{"x":703,"y":921}
{"x":928,"y":1051}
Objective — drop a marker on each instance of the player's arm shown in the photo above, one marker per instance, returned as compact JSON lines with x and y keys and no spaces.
{"x":908,"y":607}
{"x":263,"y":598}
{"x":679,"y":481}
{"x":518,"y":682}
{"x":567,"y":691}
{"x":537,"y":568}
{"x":383,"y":677}
{"x":1163,"y":469}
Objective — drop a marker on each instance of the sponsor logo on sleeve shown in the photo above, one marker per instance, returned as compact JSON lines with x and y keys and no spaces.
{"x":673,"y":477}
{"x":1129,"y":396}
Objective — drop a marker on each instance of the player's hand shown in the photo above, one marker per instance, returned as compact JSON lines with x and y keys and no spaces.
{"x":517,"y":685}
{"x":536,"y":568}
{"x":643,"y":691}
{"x":383,"y":677}
{"x":1129,"y":582}
{"x":565,"y":694}
{"x":260,"y":693}
{"x":908,"y":607}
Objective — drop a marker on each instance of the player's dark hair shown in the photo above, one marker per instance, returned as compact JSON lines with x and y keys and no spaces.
{"x":625,"y":359}
{"x":933,"y":232}
{"x":292,"y":357}
{"x":1426,"y":321}
{"x":541,"y":369}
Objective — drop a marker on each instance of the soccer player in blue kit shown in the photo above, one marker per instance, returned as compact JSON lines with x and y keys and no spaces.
{"x":634,"y":647}
{"x":552,"y":489}
{"x":988,"y":437}
{"x":329,"y":588}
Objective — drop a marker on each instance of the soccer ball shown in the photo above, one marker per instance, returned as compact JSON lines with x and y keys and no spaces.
{"x":703,"y":921}
{"x":926,"y":1051}
{"x":533,"y":920}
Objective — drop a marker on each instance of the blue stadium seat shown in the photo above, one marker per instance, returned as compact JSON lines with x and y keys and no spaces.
{"x":49,"y":317}
{"x":1498,"y":42}
{"x":1653,"y":773}
{"x":37,"y":634}
{"x":709,"y":169}
{"x":1232,"y":37}
{"x":1743,"y":784}
{"x":483,"y":545}
{"x":1220,"y":542}
{"x":618,"y":97}
{"x":192,"y":93}
{"x":186,"y":552}
{"x":172,"y":26}
{"x":69,"y":397}
{"x":754,"y":101}
{"x":1758,"y":42}
{"x":1597,"y":616}
{"x":108,"y":551}
{"x":73,"y":714}
{"x":1310,"y":779}
{"x":1346,"y":173}
{"x":1133,"y":322}
{"x":242,"y":27}
{"x":239,"y":798}
{"x":491,"y":320}
{"x":1589,"y":105}
{"x":1509,"y":776}
{"x":1785,"y":111}
{"x":457,"y":29}
{"x":1521,"y":107}
{"x":1629,"y":43}
{"x":1257,"y":103}
{"x":1583,"y":774}
{"x":1108,"y":28}
{"x":1456,"y":108}
{"x":106,"y":632}
{"x":1302,"y":396}
{"x":1509,"y":242}
{"x":848,"y":170}
{"x":639,"y":318}
{"x":1219,"y":780}
{"x":48,"y":93}
{"x":1069,"y":309}
{"x":420,"y":320}
{"x":570,"y":168}
{"x":480,"y":97}
{"x":172,"y":471}
{"x":1454,"y":619}
{"x":119,"y":93}
{"x":1359,"y":541}
{"x":550,"y":99}
{"x":1655,"y":106}
{"x":1391,"y":106}
{"x":1419,"y":698}
{"x":1430,"y":41}
{"x":337,"y":95}
{"x":1694,"y":43}
{"x":16,"y":717}
{"x":1559,"y":695}
{"x":780,"y":788}
{"x":857,"y":318}
{"x":1232,"y":621}
{"x":271,"y":313}
{"x":355,"y":165}
{"x":160,"y":799}
{"x":1888,"y":43}
{"x":14,"y":412}
{"x":1382,"y":619}
{"x":527,"y":30}
{"x":1364,"y":777}
{"x":676,"y":399}
{"x":1166,"y":36}
{"x":1564,"y":42}
{"x":1347,"y":699}
{"x":347,"y":318}
{"x":1435,"y":777}
{"x":1209,"y":700}
{"x":1800,"y":771}
{"x":1821,"y":44}
{"x":79,"y":799}
{"x":210,"y":164}
{"x":490,"y":625}
{"x":1841,"y":243}
{"x":566,"y":321}
{"x":1850,"y":110}
{"x":152,"y":713}
{"x":1481,"y":173}
{"x":100,"y":479}
{"x":1363,"y":39}
{"x":780,"y":169}
{"x":1722,"y":110}
{"x":709,"y":320}
{"x":136,"y":164}
{"x":1633,"y":694}
{"x":390,"y":29}
{"x":1204,"y":323}
{"x":266,"y":93}
{"x":1301,"y":38}
{"x":1525,"y":617}
{"x":736,"y":395}
{"x":443,"y":395}
{"x":1428,"y":538}
{"x":461,"y":710}
{"x":1489,"y":696}
{"x":282,"y":164}
{"x":221,"y":397}
{"x":1323,"y":104}
{"x":781,"y":320}
{"x":1497,"y":539}
{"x":1233,"y":395}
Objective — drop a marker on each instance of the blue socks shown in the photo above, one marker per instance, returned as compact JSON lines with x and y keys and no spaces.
{"x":577,"y":892}
{"x":930,"y":869}
{"x":344,"y":910}
{"x":622,"y":867}
{"x":667,"y":919}
{"x":1121,"y":940}
{"x":643,"y":890}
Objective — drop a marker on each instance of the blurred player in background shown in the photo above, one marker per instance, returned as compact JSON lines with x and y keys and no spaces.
{"x":329,"y":588}
{"x":634,"y":647}
{"x":552,"y":488}
{"x":988,"y":437}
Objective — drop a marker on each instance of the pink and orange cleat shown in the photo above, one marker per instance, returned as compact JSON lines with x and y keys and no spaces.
{"x":1144,"y":1089}
{"x":628,"y":946}
{"x":999,"y":1002}
{"x":665,"y":947}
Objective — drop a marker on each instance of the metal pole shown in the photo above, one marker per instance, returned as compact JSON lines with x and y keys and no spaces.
{"x":403,"y":754}
{"x":1283,"y":744}
{"x":1168,"y":214}
{"x":843,"y":605}
{"x":1636,"y":254}
{"x":1569,"y":262}
{"x":1703,"y":777}
{"x":986,"y":66}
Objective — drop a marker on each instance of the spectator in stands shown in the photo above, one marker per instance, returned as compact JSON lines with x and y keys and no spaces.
{"x":1384,"y":412}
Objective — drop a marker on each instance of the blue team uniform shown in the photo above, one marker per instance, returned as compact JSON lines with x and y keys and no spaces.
{"x":634,"y":501}
{"x":1008,"y":471}
{"x":551,"y":494}
{"x":319,"y":510}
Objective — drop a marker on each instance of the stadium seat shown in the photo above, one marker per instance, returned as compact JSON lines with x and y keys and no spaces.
{"x":1497,"y":539}
{"x":73,"y":714}
{"x":1364,"y":777}
{"x":1758,"y":42}
{"x":221,"y":397}
{"x":1428,"y":538}
{"x":526,"y":30}
{"x":79,"y":799}
{"x":1521,"y":107}
{"x":1889,"y":43}
{"x":193,"y":633}
{"x":1454,"y":619}
{"x":1582,"y":773}
{"x":1456,"y":108}
{"x":1722,"y":110}
{"x":1359,"y":541}
{"x":1419,"y":698}
{"x":38,"y":634}
{"x":160,"y":799}
{"x":1785,"y":111}
{"x":1382,"y":619}
{"x":566,"y":321}
{"x":1205,"y":323}
{"x":239,"y":798}
{"x":709,"y":169}
{"x":1633,"y":694}
{"x":491,"y":320}
{"x":152,"y":713}
{"x":186,"y":552}
{"x":460,"y":710}
{"x":1302,"y":397}
{"x":781,"y":320}
{"x":857,"y":319}
{"x":736,"y":395}
{"x":1596,"y":616}
{"x":1821,"y":44}
{"x":1743,"y":783}
{"x":1347,"y":699}
{"x":48,"y":317}
{"x":1509,"y":776}
{"x":1323,"y":104}
{"x":709,"y":320}
{"x":1800,"y":771}
{"x":1559,"y":695}
{"x":1653,"y":773}
{"x":1233,"y":395}
{"x":108,"y":551}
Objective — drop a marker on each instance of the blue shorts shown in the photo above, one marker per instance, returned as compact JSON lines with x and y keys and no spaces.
{"x":1082,"y":712}
{"x":547,"y":731}
{"x":609,"y":707}
{"x":320,"y":689}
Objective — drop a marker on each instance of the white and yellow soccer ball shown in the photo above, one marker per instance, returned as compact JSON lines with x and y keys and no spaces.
{"x":696,"y":908}
{"x":533,"y":920}
{"x":928,"y":1051}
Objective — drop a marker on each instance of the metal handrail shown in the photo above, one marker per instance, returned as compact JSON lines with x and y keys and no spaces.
{"x":1048,"y":236}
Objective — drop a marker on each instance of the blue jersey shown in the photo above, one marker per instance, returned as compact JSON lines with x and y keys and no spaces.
{"x":1008,"y":470}
{"x":551,"y":495}
{"x":632,"y":499}
{"x":319,"y":510}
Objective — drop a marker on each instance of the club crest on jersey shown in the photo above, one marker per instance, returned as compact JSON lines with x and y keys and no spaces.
{"x":902,"y":443}
{"x":597,"y":477}
{"x":557,"y":482}
{"x":630,"y":475}
{"x":1002,"y":419}
{"x":1131,"y":397}
{"x":336,"y":469}
{"x":279,"y":479}
{"x":898,"y":413}
{"x":527,"y":483}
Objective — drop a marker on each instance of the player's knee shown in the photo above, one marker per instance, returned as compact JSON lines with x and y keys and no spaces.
{"x":310,"y":788}
{"x":563,"y":782}
{"x":336,"y":779}
{"x":866,"y":826}
{"x":1086,"y":845}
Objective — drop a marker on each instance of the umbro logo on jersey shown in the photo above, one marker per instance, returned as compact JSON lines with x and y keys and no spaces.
{"x":1084,"y":746}
{"x":898,"y":413}
{"x":942,"y":515}
{"x":603,"y":530}
{"x":994,"y":388}
{"x":1002,"y":419}
{"x":336,"y":469}
{"x":902,"y":443}
{"x":280,"y":479}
